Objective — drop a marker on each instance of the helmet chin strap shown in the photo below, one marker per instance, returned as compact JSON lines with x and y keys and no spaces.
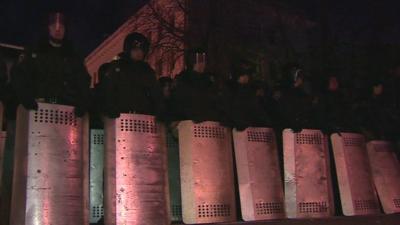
{"x":55,"y":43}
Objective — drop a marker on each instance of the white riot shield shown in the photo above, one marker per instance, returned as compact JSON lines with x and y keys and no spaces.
{"x":96,"y":174}
{"x":135,"y":172}
{"x":308,"y":186}
{"x":356,"y":188}
{"x":386,"y":174}
{"x":260,"y":182}
{"x":207,"y":180}
{"x":49,"y":167}
{"x":3,"y":136}
{"x":174,"y":178}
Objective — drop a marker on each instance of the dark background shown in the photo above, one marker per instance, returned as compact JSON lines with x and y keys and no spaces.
{"x":361,"y":36}
{"x":89,"y":21}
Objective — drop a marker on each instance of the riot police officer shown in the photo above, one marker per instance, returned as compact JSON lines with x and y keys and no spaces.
{"x":246,"y":99}
{"x":130,"y":84}
{"x":378,"y":118}
{"x":336,"y":111}
{"x":296,"y":106}
{"x":51,"y":71}
{"x":197,"y":96}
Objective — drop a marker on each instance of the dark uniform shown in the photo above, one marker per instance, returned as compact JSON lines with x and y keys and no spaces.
{"x":53,"y":74}
{"x":167,"y":86}
{"x":296,"y":107}
{"x":247,"y":107}
{"x":336,"y":112}
{"x":246,"y":110}
{"x":3,"y":79}
{"x":131,"y":86}
{"x":197,"y":98}
{"x":378,"y":118}
{"x":3,"y":83}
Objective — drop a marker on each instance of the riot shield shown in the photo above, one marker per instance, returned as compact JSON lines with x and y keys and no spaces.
{"x":260,"y":183}
{"x":386,"y":174}
{"x":356,"y":188}
{"x":135,"y":171}
{"x":207,"y":179}
{"x":3,"y":137}
{"x":174,"y":178}
{"x":308,"y":185}
{"x":96,"y":174}
{"x":49,"y":167}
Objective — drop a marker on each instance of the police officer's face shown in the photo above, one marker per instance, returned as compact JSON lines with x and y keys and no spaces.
{"x":333,"y":84}
{"x":137,"y":54}
{"x":57,"y":31}
{"x":260,"y":92}
{"x":299,"y":82}
{"x":378,"y":89}
{"x":200,"y":67}
{"x":200,"y":63}
{"x":244,"y":79}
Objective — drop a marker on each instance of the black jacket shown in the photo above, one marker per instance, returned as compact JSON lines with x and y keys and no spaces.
{"x":3,"y":79}
{"x":197,"y":98}
{"x":378,"y":118}
{"x":52,"y":72}
{"x":245,"y":108}
{"x":336,"y":112}
{"x":131,"y":87}
{"x":297,"y":109}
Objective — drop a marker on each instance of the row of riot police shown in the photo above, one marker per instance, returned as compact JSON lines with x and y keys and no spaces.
{"x":242,"y":102}
{"x":50,"y":182}
{"x":52,"y":71}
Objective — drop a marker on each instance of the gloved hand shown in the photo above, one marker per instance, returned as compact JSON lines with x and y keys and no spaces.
{"x":113,"y":114}
{"x":336,"y":129}
{"x":30,"y":104}
{"x":296,"y":129}
{"x":198,"y":120}
{"x":326,"y":130}
{"x":161,"y":117}
{"x":79,"y":111}
{"x":241,"y":126}
{"x":227,"y":123}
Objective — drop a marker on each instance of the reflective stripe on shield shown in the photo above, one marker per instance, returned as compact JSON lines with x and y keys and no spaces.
{"x":96,"y":175}
{"x":49,"y":175}
{"x":386,"y":174}
{"x":260,"y":183}
{"x":135,"y":171}
{"x":174,"y":177}
{"x":356,"y":188}
{"x":308,"y":187}
{"x":207,"y":180}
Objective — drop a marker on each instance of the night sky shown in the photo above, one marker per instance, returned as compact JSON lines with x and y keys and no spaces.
{"x":91,"y":21}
